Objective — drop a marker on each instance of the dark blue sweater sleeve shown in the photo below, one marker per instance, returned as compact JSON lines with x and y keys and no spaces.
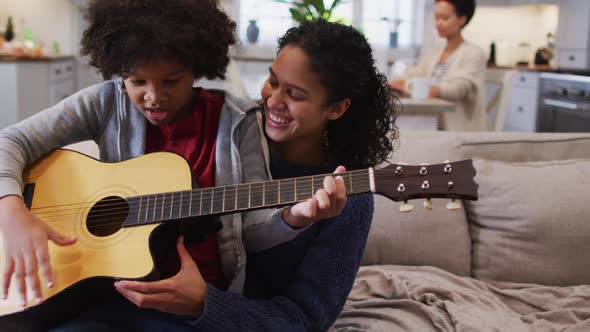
{"x":313,"y":297}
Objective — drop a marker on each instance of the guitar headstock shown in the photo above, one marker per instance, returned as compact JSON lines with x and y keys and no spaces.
{"x":452,"y":180}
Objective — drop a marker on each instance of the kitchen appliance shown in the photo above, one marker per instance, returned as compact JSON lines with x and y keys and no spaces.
{"x":543,"y":56}
{"x":564,"y":103}
{"x":523,"y":54}
{"x":492,"y":58}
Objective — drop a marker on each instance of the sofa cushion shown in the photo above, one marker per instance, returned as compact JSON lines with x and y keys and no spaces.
{"x":521,"y":147}
{"x":436,"y":237}
{"x":531,"y":222}
{"x":415,"y":147}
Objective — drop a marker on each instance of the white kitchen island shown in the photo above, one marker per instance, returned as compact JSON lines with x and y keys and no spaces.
{"x":422,"y":114}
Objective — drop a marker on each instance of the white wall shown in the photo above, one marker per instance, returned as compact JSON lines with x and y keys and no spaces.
{"x":49,"y":20}
{"x":507,"y":26}
{"x":510,"y":26}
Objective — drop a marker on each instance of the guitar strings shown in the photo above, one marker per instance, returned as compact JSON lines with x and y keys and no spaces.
{"x":380,"y":174}
{"x":106,"y":222}
{"x":125,"y":206}
{"x":103,"y":220}
{"x":186,"y":201}
{"x":210,"y":190}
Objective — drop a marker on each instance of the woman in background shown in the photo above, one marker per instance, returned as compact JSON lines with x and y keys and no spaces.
{"x":456,"y":70}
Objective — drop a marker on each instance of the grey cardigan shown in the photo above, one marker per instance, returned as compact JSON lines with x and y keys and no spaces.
{"x":105,"y":114}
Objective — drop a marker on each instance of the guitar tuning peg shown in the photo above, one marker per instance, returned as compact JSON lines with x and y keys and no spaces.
{"x":428,"y":204}
{"x":454,"y":205}
{"x":406,"y":207}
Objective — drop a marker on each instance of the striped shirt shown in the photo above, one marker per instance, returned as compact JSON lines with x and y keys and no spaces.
{"x":441,"y":69}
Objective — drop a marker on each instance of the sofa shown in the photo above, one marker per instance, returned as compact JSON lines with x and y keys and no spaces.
{"x":517,"y":259}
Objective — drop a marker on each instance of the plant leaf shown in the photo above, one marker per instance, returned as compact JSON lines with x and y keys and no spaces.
{"x":304,"y":9}
{"x":297,"y":16}
{"x":334,"y":4}
{"x":319,"y":6}
{"x":330,"y":10}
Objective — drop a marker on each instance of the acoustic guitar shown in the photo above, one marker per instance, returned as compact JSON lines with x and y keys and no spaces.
{"x":117,"y":209}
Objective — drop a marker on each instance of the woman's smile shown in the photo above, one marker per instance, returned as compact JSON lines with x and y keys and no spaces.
{"x":277,"y":120}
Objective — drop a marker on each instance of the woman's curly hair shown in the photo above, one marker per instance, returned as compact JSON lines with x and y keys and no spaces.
{"x":342,"y":57}
{"x":124,"y":33}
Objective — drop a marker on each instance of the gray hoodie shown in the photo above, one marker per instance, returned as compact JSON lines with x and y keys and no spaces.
{"x":105,"y":114}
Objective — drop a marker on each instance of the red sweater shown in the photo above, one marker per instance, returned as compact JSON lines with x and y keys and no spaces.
{"x":194,"y":138}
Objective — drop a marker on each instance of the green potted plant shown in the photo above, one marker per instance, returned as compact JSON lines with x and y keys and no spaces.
{"x":309,"y":10}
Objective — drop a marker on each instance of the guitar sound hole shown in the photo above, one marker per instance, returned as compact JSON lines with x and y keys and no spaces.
{"x":107,"y":216}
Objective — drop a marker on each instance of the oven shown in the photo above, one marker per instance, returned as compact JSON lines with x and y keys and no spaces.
{"x":564,"y":103}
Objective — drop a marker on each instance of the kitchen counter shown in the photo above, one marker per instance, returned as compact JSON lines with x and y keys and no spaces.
{"x":422,"y":114}
{"x":544,"y":69}
{"x":523,"y":68}
{"x":11,"y":58}
{"x":426,"y":106}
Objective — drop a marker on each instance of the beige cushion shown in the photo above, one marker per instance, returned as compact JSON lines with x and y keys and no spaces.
{"x":531,"y":222}
{"x":521,"y":147}
{"x":435,"y":237}
{"x":415,"y":147}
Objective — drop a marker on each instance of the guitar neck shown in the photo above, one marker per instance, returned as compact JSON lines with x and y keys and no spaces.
{"x":161,"y":207}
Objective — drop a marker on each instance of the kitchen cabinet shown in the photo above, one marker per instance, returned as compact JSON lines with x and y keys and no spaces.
{"x":521,"y":112}
{"x":28,"y":86}
{"x":573,"y":38}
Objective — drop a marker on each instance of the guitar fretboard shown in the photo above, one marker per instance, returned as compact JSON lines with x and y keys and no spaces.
{"x":155,"y":208}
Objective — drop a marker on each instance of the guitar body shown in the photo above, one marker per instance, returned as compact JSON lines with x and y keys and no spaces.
{"x":67,"y":187}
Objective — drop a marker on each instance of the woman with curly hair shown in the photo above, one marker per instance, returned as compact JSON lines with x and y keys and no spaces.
{"x":324,"y":104}
{"x":156,"y":49}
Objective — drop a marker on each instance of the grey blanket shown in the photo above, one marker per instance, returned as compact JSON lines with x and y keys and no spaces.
{"x":407,"y":298}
